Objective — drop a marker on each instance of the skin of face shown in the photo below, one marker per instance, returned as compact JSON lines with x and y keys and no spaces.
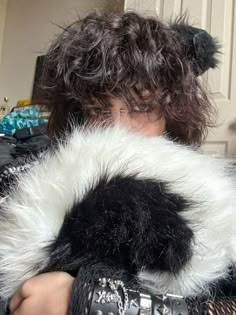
{"x":142,"y":119}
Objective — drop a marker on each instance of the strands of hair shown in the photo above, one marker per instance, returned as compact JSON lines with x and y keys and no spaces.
{"x":122,"y":56}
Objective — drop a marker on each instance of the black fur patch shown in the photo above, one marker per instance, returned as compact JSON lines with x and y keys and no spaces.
{"x":198,"y":46}
{"x":125,"y":223}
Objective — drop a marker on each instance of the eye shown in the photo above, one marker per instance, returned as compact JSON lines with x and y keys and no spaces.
{"x":142,"y":108}
{"x":95,"y":111}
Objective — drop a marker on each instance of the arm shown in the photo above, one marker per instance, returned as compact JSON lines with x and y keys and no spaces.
{"x":50,"y":294}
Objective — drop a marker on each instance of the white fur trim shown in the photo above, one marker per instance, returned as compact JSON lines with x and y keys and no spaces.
{"x":32,"y":216}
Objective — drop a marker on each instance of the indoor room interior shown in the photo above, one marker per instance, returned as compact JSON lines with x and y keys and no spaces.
{"x":69,"y":166}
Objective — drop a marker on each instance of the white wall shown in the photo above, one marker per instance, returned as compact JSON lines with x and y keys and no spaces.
{"x":3,"y":9}
{"x":29,"y":26}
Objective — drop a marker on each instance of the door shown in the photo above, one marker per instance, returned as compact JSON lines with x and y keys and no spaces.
{"x":218,"y":17}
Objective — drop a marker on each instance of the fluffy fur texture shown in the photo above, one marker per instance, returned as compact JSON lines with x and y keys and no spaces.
{"x":199,"y":47}
{"x":147,"y":206}
{"x":119,"y":226}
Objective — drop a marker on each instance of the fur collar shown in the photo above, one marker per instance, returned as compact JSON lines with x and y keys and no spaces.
{"x":140,"y":180}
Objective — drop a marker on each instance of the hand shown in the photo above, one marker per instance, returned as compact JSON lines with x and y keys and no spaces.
{"x":46,"y":294}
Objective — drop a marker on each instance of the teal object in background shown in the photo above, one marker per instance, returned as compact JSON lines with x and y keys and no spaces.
{"x":21,"y":119}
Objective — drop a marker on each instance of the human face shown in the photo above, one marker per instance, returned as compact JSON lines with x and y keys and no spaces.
{"x":142,"y":119}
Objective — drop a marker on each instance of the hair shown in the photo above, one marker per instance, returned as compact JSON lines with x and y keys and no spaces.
{"x":104,"y":56}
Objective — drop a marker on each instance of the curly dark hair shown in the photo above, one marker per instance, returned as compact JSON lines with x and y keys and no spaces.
{"x":104,"y":56}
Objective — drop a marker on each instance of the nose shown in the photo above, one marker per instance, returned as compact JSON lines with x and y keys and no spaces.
{"x":119,"y":114}
{"x":122,"y":116}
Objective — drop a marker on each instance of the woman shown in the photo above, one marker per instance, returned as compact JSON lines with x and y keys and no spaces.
{"x":124,"y":69}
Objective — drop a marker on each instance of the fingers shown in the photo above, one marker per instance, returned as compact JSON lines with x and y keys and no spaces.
{"x":23,"y":309}
{"x":40,"y":295}
{"x":17,"y":299}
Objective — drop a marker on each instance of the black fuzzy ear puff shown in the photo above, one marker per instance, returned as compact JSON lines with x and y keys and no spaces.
{"x":198,"y":45}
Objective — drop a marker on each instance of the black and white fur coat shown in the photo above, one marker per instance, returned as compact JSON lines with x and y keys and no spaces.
{"x":158,"y":211}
